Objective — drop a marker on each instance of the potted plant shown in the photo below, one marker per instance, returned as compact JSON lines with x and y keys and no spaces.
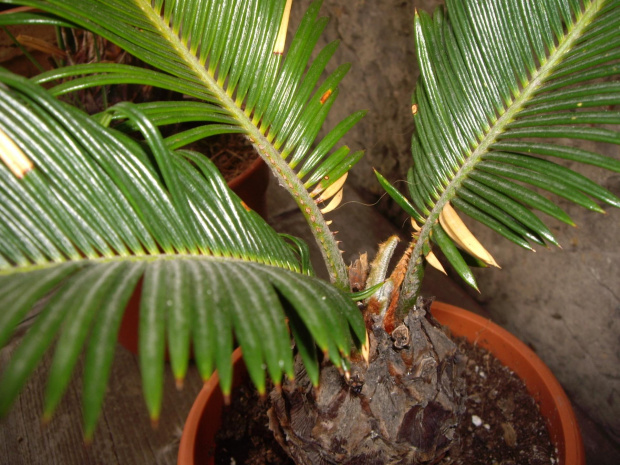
{"x":93,"y":205}
{"x":199,"y":443}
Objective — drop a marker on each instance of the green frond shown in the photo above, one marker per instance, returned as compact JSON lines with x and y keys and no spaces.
{"x":503,"y":85}
{"x":222,"y":52}
{"x":32,"y":18}
{"x":97,"y":218}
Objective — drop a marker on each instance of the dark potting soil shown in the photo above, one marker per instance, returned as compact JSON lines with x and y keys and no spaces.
{"x":231,"y":153}
{"x":502,"y":424}
{"x":245,"y":438}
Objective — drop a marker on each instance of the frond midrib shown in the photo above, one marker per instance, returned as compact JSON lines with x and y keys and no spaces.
{"x":146,"y":258}
{"x":288,"y":180}
{"x":554,"y":58}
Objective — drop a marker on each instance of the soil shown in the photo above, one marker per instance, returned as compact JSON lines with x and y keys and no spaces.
{"x":231,"y":153}
{"x":502,"y":424}
{"x":244,"y":437}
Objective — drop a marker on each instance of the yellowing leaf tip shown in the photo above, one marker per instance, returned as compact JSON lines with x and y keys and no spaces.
{"x":281,"y":39}
{"x":13,"y":157}
{"x":333,"y":203}
{"x":333,"y":189}
{"x":433,"y":261}
{"x":460,"y":233}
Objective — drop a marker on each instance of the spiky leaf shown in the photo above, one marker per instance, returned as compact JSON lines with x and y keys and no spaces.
{"x":224,"y":55}
{"x":96,"y":217}
{"x":496,"y":76}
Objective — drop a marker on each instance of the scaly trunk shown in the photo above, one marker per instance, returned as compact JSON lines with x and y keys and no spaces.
{"x":401,"y":408}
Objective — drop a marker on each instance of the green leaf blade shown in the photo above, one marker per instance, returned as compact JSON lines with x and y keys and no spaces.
{"x":454,"y":256}
{"x":102,"y":345}
{"x":75,"y":330}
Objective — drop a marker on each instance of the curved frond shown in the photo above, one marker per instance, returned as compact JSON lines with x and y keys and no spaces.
{"x":96,"y":218}
{"x":503,"y":85}
{"x":227,"y":53}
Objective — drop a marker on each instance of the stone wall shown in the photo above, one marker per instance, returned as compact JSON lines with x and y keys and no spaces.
{"x":564,"y":303}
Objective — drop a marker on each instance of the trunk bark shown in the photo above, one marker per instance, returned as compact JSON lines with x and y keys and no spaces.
{"x":402,"y":407}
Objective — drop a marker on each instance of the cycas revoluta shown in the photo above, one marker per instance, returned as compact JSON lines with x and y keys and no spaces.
{"x":91,"y":205}
{"x":495,"y":77}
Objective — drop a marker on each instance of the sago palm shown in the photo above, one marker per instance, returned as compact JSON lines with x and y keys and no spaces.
{"x":496,"y":77}
{"x":94,"y":205}
{"x":90,"y":212}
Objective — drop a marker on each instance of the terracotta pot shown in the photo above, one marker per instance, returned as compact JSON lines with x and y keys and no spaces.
{"x":198,"y":439}
{"x":204,"y":419}
{"x":540,"y":382}
{"x":251,"y":186}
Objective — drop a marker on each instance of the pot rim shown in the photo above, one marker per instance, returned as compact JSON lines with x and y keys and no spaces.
{"x":210,"y":392}
{"x":554,"y":404}
{"x":540,"y":381}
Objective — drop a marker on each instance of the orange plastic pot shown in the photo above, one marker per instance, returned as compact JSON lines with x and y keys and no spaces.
{"x":205,"y":418}
{"x":540,"y":382}
{"x":198,"y":439}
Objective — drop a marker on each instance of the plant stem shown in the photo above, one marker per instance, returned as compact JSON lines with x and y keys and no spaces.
{"x":322,"y":234}
{"x":411,"y":284}
{"x":285,"y":175}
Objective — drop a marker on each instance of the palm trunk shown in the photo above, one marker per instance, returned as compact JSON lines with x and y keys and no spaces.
{"x":402,"y":407}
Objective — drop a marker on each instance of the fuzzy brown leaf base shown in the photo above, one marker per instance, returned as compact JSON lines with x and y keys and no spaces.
{"x":403,"y":408}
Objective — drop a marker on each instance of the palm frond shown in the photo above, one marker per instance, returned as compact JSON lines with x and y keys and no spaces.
{"x":496,"y":76}
{"x":225,"y":52}
{"x":94,"y":217}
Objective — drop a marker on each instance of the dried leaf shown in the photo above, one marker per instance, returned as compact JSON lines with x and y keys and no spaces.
{"x":333,"y":203}
{"x":281,"y":40}
{"x":358,"y":273}
{"x":13,"y":157}
{"x":331,"y":190}
{"x":40,"y":45}
{"x":435,"y":263}
{"x":459,"y":233}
